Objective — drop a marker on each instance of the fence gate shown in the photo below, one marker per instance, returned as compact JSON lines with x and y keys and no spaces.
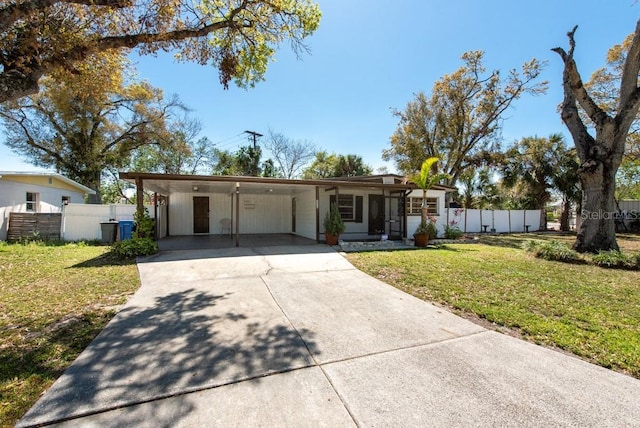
{"x":34,"y":225}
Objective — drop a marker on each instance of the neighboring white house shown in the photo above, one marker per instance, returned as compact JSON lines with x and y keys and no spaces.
{"x":38,"y":192}
{"x":371,"y":206}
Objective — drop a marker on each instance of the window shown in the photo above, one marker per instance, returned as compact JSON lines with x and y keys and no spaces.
{"x":350,"y":207}
{"x":414,"y":206}
{"x":32,"y":202}
{"x":346,"y":207}
{"x":66,"y":200}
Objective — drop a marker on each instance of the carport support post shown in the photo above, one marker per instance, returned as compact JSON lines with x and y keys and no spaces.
{"x":237,"y":214}
{"x":155,"y":216}
{"x":317,"y":214}
{"x":139,"y":197}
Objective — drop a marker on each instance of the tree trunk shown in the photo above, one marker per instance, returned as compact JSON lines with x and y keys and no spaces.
{"x":543,"y":218}
{"x":597,"y":230}
{"x":601,"y":156}
{"x":564,"y":217}
{"x":94,"y":183}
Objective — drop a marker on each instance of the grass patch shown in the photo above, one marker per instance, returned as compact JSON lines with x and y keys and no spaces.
{"x":54,"y":299}
{"x":581,"y":308}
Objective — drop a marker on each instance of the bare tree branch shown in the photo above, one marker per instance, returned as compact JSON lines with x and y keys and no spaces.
{"x":573,"y":82}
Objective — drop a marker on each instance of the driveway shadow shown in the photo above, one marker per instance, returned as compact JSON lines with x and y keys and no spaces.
{"x":185,"y":341}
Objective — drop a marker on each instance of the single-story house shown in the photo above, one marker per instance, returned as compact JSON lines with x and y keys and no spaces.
{"x":36,"y":192}
{"x":371,"y":206}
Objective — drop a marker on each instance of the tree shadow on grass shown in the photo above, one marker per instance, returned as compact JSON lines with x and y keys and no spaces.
{"x":468,"y":248}
{"x":178,"y":344}
{"x":42,"y":358}
{"x":519,"y":240}
{"x":106,"y":259}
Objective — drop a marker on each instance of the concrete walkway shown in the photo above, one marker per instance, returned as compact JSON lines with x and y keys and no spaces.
{"x":296,"y":336}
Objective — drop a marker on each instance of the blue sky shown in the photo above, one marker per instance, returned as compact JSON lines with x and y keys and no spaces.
{"x":370,"y":56}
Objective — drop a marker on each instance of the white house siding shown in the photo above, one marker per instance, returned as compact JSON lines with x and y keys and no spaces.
{"x":269,"y":213}
{"x":266,"y":213}
{"x":161,"y":222}
{"x":357,"y":230}
{"x":181,"y":212}
{"x":413,"y":221}
{"x":13,"y":199}
{"x":353,"y":230}
{"x":306,"y":213}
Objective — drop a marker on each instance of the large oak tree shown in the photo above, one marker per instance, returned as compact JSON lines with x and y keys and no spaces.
{"x":238,"y":37}
{"x":461,"y":118}
{"x":86,"y":123}
{"x":600,"y":155}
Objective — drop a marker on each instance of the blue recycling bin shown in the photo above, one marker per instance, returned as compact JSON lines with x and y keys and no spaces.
{"x":126,"y":229}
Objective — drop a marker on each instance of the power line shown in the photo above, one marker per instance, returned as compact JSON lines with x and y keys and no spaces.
{"x":227,"y":139}
{"x":230,"y":143}
{"x":254,"y":135}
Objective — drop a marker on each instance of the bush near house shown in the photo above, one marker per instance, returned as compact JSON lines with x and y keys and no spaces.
{"x":142,"y":243}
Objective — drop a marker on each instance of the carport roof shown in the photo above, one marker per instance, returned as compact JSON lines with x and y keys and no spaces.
{"x":166,"y":184}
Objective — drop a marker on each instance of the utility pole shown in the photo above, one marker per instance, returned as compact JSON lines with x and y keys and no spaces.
{"x":254,"y":135}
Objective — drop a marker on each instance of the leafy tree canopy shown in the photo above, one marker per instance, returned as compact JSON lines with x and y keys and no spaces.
{"x":84,"y":124}
{"x":461,"y":118}
{"x":604,"y":88}
{"x":238,"y":37}
{"x":333,"y":165}
{"x":536,"y":167}
{"x":247,"y":160}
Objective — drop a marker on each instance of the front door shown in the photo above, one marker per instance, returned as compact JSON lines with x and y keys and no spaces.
{"x":293,"y":215}
{"x":200,"y":214}
{"x":376,"y":215}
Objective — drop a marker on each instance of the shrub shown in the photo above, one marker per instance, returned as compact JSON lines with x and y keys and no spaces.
{"x":333,"y":223}
{"x":616,"y":259}
{"x":428,"y":228}
{"x":553,"y":250}
{"x":145,"y":225}
{"x":452,"y":232}
{"x":130,"y":248}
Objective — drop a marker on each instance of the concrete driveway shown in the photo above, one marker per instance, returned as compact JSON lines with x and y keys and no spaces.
{"x":296,"y":336}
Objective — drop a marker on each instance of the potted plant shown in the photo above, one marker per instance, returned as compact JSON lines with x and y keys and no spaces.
{"x":333,"y":225}
{"x":425,"y":180}
{"x":425,"y":231}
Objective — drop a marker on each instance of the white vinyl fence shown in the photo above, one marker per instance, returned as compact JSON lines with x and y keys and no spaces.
{"x":500,"y":221}
{"x":477,"y":221}
{"x":82,"y":221}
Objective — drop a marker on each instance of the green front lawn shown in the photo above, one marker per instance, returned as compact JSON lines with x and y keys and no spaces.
{"x":590,"y":311}
{"x":54,"y":299}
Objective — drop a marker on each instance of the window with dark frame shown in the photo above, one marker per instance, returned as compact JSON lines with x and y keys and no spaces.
{"x":66,"y":200}
{"x":349,"y":206}
{"x":346,"y":207}
{"x":414,"y":206}
{"x":32,"y":202}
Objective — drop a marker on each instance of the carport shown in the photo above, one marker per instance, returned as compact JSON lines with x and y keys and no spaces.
{"x":253,"y":207}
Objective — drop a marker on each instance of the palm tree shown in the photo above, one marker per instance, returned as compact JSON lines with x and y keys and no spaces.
{"x":425,"y":180}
